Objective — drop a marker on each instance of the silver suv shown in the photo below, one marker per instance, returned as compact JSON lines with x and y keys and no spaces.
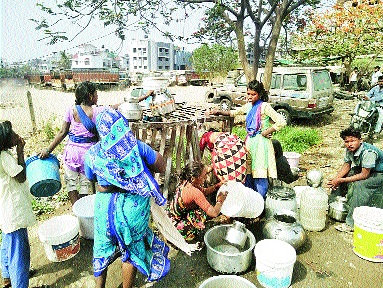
{"x":295,"y":92}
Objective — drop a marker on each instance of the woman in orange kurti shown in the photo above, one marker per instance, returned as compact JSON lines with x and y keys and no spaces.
{"x":189,"y":208}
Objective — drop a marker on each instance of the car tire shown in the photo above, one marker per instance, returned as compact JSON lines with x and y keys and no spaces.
{"x":225,"y":104}
{"x":286,"y":115}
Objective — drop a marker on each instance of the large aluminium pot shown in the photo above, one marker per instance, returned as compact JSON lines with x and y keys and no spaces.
{"x":284,"y":226}
{"x":229,"y":260}
{"x":131,"y":111}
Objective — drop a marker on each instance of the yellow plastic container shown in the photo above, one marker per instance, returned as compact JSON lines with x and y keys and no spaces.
{"x":368,"y":233}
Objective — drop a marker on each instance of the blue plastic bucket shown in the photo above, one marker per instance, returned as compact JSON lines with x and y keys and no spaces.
{"x":43,"y":175}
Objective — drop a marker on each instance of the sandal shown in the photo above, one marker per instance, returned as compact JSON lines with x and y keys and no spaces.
{"x":7,"y":283}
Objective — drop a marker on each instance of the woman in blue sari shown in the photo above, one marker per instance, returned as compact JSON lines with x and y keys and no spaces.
{"x":261,"y":122}
{"x":121,"y":164}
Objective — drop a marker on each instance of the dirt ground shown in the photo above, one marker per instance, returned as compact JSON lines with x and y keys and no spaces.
{"x":326,"y":259}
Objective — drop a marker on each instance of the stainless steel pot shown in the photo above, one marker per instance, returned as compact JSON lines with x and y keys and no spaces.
{"x":280,"y":198}
{"x":162,"y":103}
{"x":338,"y":209}
{"x":236,"y":234}
{"x":284,"y":226}
{"x":230,"y":260}
{"x":131,"y":111}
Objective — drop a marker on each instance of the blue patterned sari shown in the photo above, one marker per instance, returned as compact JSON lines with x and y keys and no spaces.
{"x":121,"y":218}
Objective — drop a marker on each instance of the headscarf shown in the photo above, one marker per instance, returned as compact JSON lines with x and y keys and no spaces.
{"x":253,"y":119}
{"x":205,"y":142}
{"x":116,"y":157}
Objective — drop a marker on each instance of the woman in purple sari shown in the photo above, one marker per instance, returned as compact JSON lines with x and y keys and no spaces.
{"x":79,"y":125}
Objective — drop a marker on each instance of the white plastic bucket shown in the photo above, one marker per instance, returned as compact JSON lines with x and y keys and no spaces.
{"x":368,"y":233}
{"x":60,"y":237}
{"x":84,"y":210}
{"x":241,"y":201}
{"x":275,"y":261}
{"x":292,"y":158}
{"x":227,"y":281}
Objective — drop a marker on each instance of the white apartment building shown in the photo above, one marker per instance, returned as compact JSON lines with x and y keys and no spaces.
{"x":147,"y":55}
{"x":89,"y":57}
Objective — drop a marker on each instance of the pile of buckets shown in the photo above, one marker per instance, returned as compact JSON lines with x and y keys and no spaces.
{"x":60,"y":235}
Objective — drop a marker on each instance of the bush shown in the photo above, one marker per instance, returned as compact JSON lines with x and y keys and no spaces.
{"x":240,"y":132}
{"x":298,"y":139}
{"x":50,"y":129}
{"x":292,"y":138}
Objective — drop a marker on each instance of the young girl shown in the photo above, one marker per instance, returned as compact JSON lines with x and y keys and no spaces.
{"x":15,"y":210}
{"x":79,"y":126}
{"x":261,"y":122}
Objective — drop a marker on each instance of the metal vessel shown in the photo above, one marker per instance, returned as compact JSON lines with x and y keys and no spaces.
{"x":285,"y":226}
{"x":280,"y":198}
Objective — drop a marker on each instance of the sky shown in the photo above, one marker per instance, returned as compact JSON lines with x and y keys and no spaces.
{"x":20,"y":40}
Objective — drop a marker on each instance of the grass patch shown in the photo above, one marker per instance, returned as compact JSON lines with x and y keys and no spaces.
{"x":40,"y":207}
{"x":292,"y":138}
{"x":298,"y":139}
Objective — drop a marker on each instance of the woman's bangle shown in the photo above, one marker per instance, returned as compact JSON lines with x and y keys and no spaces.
{"x":47,"y":150}
{"x":219,"y":202}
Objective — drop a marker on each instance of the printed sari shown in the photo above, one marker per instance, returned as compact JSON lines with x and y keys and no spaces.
{"x":122,"y":217}
{"x":188,"y":221}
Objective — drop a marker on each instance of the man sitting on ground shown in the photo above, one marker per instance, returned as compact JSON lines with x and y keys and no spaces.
{"x":360,"y":177}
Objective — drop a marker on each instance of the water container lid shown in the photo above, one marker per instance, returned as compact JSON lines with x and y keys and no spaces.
{"x":280,"y":192}
{"x":275,"y":252}
{"x":370,"y":217}
{"x":58,"y":229}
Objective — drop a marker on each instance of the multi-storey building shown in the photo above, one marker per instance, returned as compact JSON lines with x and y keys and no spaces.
{"x":147,"y":55}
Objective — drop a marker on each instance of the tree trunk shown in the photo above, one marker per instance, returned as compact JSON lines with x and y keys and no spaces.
{"x":257,"y":52}
{"x":270,"y":55}
{"x":242,"y":50}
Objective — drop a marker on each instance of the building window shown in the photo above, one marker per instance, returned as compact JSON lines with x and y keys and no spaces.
{"x":159,"y":67}
{"x":87,"y":61}
{"x":134,"y":50}
{"x":145,"y":67}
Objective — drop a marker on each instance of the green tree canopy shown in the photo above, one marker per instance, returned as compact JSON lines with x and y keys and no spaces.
{"x":217,"y":59}
{"x":64,"y":62}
